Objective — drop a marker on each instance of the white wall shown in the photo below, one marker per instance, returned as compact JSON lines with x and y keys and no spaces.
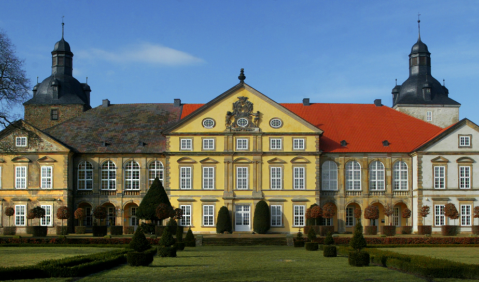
{"x":441,"y":116}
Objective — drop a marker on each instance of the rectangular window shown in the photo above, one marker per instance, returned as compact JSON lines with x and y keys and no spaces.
{"x":464,"y":141}
{"x":439,"y":177}
{"x":54,"y":114}
{"x":276,"y":179}
{"x":21,"y":177}
{"x":21,"y":141}
{"x":465,"y":177}
{"x":88,"y":221}
{"x":298,"y":177}
{"x":185,"y":177}
{"x":397,"y":217}
{"x":429,"y":116}
{"x":299,"y":215}
{"x":20,"y":215}
{"x":208,"y":215}
{"x":241,"y":144}
{"x":186,"y":144}
{"x":350,"y":216}
{"x":186,"y":219}
{"x":298,"y":144}
{"x":110,"y":220}
{"x":242,"y":178}
{"x":208,"y":144}
{"x":275,"y":144}
{"x":466,"y":215}
{"x":439,"y":218}
{"x":47,"y":177}
{"x":276,"y":216}
{"x":208,"y":178}
{"x":47,"y":219}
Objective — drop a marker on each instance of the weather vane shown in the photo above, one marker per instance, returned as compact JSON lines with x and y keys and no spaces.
{"x":63,"y":26}
{"x":419,"y":24}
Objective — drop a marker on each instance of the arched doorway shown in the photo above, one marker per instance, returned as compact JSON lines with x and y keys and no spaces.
{"x":381,"y":221}
{"x":110,"y":214}
{"x":88,"y":220}
{"x":351,"y":220}
{"x":332,"y":220}
{"x":397,"y":219}
{"x":130,"y":216}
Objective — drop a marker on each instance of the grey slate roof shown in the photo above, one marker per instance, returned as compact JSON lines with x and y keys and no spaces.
{"x":70,"y":92}
{"x":121,"y":126}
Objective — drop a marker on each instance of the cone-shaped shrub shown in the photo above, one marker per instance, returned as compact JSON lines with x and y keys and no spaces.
{"x":311,"y":234}
{"x":156,"y":195}
{"x":329,"y":239}
{"x":190,"y":239}
{"x":223,"y":222}
{"x":166,"y":238}
{"x":358,"y":242}
{"x":261,"y":218}
{"x":139,"y":242}
{"x":179,"y":233}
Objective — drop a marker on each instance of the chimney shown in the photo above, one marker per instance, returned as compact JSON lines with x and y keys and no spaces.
{"x":377,"y":103}
{"x":177,"y":102}
{"x":306,"y":102}
{"x":105,"y":103}
{"x":385,"y":143}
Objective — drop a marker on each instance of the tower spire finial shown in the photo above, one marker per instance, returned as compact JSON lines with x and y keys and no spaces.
{"x":63,"y":27}
{"x":419,"y":25}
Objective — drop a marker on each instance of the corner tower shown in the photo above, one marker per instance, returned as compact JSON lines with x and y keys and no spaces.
{"x":60,"y":96}
{"x":421,"y":95}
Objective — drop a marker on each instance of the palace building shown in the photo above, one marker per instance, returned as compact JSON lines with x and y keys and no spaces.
{"x":237,"y":149}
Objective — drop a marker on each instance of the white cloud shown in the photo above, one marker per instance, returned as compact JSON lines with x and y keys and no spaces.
{"x":143,"y":53}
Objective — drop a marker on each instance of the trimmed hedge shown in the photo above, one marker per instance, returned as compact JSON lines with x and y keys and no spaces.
{"x":180,"y":246}
{"x":309,"y":246}
{"x":330,"y":251}
{"x":159,"y":230}
{"x":389,"y":230}
{"x":298,"y":244}
{"x":424,"y":229}
{"x":450,"y":230}
{"x":324,"y":230}
{"x":40,"y":231}
{"x":167,"y":252}
{"x":140,"y":258}
{"x":116,"y":230}
{"x":80,"y":229}
{"x":406,"y":230}
{"x":62,"y":230}
{"x":358,"y":258}
{"x":99,"y":231}
{"x":10,"y":230}
{"x":370,"y":230}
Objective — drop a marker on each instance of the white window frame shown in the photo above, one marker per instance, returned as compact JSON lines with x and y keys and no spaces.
{"x":21,"y":181}
{"x":298,"y":144}
{"x":466,"y":215}
{"x":46,"y":180}
{"x":275,"y":143}
{"x":464,"y":177}
{"x":353,"y":176}
{"x":276,"y":215}
{"x":47,"y":219}
{"x":132,"y":176}
{"x":186,"y":177}
{"x":439,"y":177}
{"x":396,"y":216}
{"x":85,"y":182}
{"x":208,"y":177}
{"x":299,"y":215}
{"x":155,"y":169}
{"x":439,"y":217}
{"x":208,"y":215}
{"x":350,"y":220}
{"x":429,"y":116}
{"x":463,"y":139}
{"x":400,"y":176}
{"x":186,"y":218}
{"x":209,"y":144}
{"x":299,"y":178}
{"x":377,"y":176}
{"x":242,"y":143}
{"x":20,"y":215}
{"x":186,"y":144}
{"x":21,"y":142}
{"x":329,"y":176}
{"x":276,"y":178}
{"x":109,"y":168}
{"x":242,"y":178}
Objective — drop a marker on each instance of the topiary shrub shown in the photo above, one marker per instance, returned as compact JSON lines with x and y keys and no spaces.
{"x":324,"y":230}
{"x":261,"y":219}
{"x":406,"y":213}
{"x":299,"y":241}
{"x":80,"y":229}
{"x":159,"y":230}
{"x":330,"y":251}
{"x":100,"y":213}
{"x":63,"y":213}
{"x":358,"y":258}
{"x":179,"y":233}
{"x":190,"y":240}
{"x":424,"y":212}
{"x":311,"y":235}
{"x":180,"y":246}
{"x":156,"y":195}
{"x":223,"y":222}
{"x":311,"y":246}
{"x":139,"y":258}
{"x":99,"y":231}
{"x":31,"y":216}
{"x":167,"y":252}
{"x":40,"y":231}
{"x":9,"y":211}
{"x":139,"y":242}
{"x":166,"y":238}
{"x":116,"y":230}
{"x":172,"y":224}
{"x":329,"y":239}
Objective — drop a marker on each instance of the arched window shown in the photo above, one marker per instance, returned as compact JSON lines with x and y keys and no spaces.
{"x":132,"y":176}
{"x":85,"y":176}
{"x":400,"y":176}
{"x":376,"y":176}
{"x":155,"y":170}
{"x":353,"y":176}
{"x":108,"y":176}
{"x":330,"y":176}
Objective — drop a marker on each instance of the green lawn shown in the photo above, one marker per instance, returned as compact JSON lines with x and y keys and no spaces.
{"x":460,"y":254}
{"x":17,"y":256}
{"x":252,"y":263}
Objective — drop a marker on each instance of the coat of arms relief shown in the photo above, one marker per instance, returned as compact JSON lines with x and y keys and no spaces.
{"x":242,"y":118}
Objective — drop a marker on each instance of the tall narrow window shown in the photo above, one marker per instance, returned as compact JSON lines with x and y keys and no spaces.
{"x":185,"y":177}
{"x":400,"y":176}
{"x":47,"y":177}
{"x":276,"y":216}
{"x":376,"y":176}
{"x":186,"y":218}
{"x":465,"y":177}
{"x":242,"y":178}
{"x":208,"y":215}
{"x":397,"y":216}
{"x":108,"y":176}
{"x":439,"y":218}
{"x":350,"y":216}
{"x":54,"y":114}
{"x":298,"y":178}
{"x":439,"y":177}
{"x":276,"y":178}
{"x":20,"y":215}
{"x":429,"y":116}
{"x":85,"y":176}
{"x":155,"y":170}
{"x":21,"y":177}
{"x":466,"y":215}
{"x":88,"y":221}
{"x":298,"y":143}
{"x":47,"y":219}
{"x":208,"y":178}
{"x":110,"y":220}
{"x":298,"y":215}
{"x":275,"y":144}
{"x":353,"y":176}
{"x":132,"y":176}
{"x":330,"y":176}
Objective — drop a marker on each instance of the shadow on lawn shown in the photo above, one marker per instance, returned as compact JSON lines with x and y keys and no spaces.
{"x":175,"y":265}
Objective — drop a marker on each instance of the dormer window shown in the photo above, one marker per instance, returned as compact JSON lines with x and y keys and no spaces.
{"x":54,"y":114}
{"x":465,"y":141}
{"x":21,"y":141}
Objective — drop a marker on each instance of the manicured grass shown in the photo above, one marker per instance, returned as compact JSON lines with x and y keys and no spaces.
{"x":250,"y":263}
{"x":18,"y":256}
{"x":459,"y":254}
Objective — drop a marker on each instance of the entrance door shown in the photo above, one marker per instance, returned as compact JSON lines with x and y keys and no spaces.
{"x":133,"y":218}
{"x":242,"y":218}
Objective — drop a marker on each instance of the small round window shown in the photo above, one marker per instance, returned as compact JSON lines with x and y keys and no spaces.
{"x":276,"y":123}
{"x":242,"y":122}
{"x":208,"y":123}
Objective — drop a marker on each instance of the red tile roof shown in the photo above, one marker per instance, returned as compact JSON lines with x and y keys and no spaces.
{"x":363,"y":126}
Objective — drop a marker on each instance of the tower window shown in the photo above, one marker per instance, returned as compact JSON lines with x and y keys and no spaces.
{"x":54,"y":114}
{"x":429,"y":116}
{"x":61,"y":61}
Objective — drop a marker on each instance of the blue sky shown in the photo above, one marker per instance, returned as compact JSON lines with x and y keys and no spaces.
{"x":328,"y":51}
